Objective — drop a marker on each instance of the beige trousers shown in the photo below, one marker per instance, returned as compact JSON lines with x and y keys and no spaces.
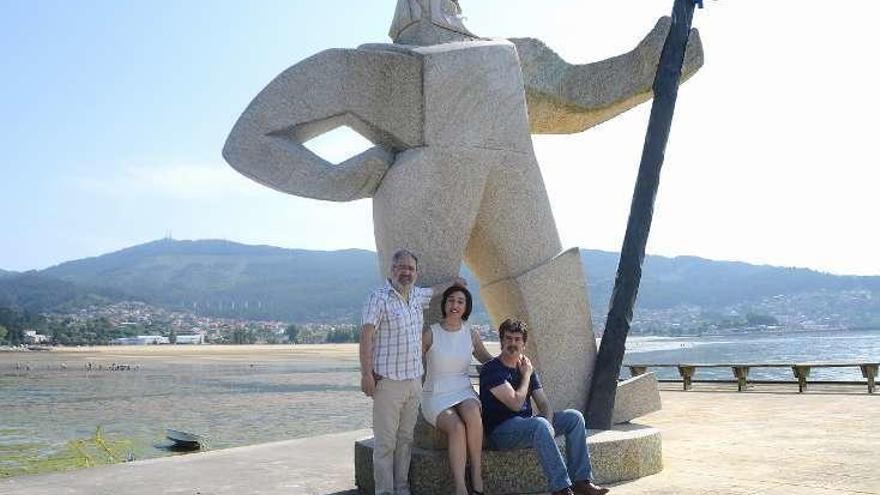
{"x":395,"y":410}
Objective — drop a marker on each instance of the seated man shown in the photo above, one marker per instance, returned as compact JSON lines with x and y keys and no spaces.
{"x":507,"y":383}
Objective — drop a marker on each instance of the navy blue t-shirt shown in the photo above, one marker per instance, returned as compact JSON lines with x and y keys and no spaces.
{"x":495,"y":373}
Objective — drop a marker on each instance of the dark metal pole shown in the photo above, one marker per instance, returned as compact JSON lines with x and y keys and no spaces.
{"x":600,"y":405}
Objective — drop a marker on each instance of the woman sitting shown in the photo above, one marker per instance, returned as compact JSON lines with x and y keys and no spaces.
{"x":448,"y":399}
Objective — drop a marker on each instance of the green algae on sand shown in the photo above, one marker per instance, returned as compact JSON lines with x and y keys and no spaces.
{"x":30,"y":458}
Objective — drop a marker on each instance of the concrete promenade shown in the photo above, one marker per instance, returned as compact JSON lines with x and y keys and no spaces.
{"x":769,"y":440}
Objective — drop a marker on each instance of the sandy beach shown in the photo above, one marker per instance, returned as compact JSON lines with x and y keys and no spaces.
{"x":191,"y":352}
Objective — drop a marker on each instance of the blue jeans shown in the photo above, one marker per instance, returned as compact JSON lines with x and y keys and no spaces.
{"x":536,"y":432}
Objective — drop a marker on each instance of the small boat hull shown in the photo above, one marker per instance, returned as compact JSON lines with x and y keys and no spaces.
{"x":183,"y":438}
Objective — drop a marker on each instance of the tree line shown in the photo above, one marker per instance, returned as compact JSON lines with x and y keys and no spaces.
{"x":101,"y":331}
{"x":14,"y":323}
{"x":304,"y":334}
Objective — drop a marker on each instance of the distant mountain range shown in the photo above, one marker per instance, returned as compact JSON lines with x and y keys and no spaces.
{"x":222,"y":278}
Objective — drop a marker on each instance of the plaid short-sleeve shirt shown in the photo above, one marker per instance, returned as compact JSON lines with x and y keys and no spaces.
{"x":397,"y":349}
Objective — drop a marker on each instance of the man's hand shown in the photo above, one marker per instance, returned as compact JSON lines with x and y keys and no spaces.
{"x":525,"y":366}
{"x":365,"y":350}
{"x":543,"y":404}
{"x":515,"y":399}
{"x":368,"y":384}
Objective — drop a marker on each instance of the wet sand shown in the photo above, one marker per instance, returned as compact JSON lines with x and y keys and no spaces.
{"x":231,"y":395}
{"x":267,"y":352}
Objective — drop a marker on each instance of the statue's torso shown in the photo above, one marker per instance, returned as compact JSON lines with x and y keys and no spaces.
{"x":472,"y":94}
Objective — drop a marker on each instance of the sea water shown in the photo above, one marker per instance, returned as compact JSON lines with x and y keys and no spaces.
{"x":759,"y":348}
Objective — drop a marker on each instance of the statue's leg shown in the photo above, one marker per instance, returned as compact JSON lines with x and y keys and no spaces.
{"x":515,"y":252}
{"x":427,"y":203}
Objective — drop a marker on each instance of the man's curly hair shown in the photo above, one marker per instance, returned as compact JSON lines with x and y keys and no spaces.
{"x":513,"y":325}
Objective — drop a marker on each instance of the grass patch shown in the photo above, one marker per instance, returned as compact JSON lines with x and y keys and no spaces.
{"x":28,"y":458}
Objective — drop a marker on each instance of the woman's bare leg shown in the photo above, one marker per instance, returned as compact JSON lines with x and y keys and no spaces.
{"x":469,"y":411}
{"x":449,"y":423}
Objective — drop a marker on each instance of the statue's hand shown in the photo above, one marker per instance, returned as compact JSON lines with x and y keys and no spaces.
{"x":374,"y":159}
{"x":566,"y":98}
{"x":651,"y":46}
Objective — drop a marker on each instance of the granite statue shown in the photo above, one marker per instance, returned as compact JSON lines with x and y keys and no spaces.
{"x":453,"y":175}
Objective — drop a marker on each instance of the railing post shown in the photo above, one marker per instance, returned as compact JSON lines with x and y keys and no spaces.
{"x":869,"y":371}
{"x":801,"y":372}
{"x":742,"y":374}
{"x":687,"y":375}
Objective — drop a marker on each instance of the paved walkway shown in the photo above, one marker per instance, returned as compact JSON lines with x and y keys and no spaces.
{"x":769,"y":440}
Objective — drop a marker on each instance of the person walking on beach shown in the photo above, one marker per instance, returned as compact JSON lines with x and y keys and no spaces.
{"x":507,"y":385}
{"x":391,"y":368}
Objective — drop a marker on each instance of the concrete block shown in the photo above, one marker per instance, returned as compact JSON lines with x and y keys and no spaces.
{"x":636,"y":397}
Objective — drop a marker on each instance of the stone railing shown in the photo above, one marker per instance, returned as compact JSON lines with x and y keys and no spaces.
{"x":801,"y":372}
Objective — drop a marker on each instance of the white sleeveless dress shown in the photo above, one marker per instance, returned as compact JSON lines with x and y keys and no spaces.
{"x":447,"y":382}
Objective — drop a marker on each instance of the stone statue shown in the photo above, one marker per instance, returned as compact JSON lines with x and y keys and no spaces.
{"x":453,"y":174}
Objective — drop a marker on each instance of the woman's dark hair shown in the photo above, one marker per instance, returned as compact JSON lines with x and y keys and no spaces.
{"x":511,"y":325}
{"x":469,"y":301}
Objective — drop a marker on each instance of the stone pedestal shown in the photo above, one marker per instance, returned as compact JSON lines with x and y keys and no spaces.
{"x":627,"y":452}
{"x":429,"y":438}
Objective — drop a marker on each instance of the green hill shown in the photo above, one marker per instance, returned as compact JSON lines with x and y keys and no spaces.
{"x":222,"y":278}
{"x":36,"y":292}
{"x":667,"y":282}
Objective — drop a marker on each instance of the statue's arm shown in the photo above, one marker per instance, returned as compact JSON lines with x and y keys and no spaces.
{"x":565,"y":98}
{"x":372,"y":92}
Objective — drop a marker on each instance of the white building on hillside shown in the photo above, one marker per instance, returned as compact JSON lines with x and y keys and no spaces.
{"x":32,"y":337}
{"x":142,"y":340}
{"x":191,"y":339}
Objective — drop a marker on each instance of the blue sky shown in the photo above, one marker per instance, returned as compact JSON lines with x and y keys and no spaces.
{"x":114,"y":114}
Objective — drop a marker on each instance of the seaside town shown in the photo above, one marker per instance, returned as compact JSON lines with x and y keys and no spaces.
{"x":817,"y":311}
{"x":138,"y":323}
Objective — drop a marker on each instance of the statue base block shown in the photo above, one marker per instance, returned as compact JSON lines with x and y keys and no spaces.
{"x":627,"y":452}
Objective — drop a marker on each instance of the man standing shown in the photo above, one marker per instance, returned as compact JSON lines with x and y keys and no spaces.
{"x":507,"y":385}
{"x":391,"y":368}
